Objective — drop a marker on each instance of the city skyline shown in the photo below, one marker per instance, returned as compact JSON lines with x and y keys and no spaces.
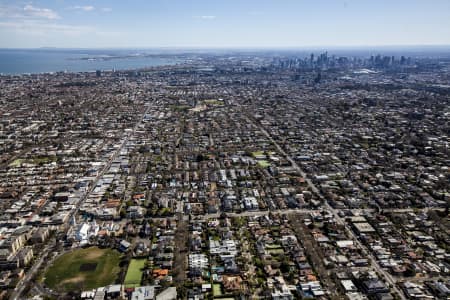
{"x":223,"y":24}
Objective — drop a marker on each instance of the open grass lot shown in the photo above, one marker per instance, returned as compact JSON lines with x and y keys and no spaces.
{"x":16,"y":162}
{"x":213,"y":102}
{"x":263,"y":163}
{"x":35,"y":161}
{"x":134,"y":273}
{"x":257,"y":153}
{"x":83,"y":269}
{"x":217,"y":289}
{"x":275,"y":251}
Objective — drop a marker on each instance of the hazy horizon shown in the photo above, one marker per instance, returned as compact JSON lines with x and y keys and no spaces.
{"x":254,"y":48}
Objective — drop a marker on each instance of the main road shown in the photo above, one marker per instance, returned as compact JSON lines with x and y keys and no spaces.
{"x":338,"y":219}
{"x":23,"y":284}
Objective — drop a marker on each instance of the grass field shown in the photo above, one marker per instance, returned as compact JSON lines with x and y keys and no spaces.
{"x":257,"y":153}
{"x":16,"y":162}
{"x":213,"y":102}
{"x":134,"y":273}
{"x":263,"y":163}
{"x":180,"y":107}
{"x":273,"y":246}
{"x":217,"y":290}
{"x":275,"y":251}
{"x":83,"y":269}
{"x":35,"y":161}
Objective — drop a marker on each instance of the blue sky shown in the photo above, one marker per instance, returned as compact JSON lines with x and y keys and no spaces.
{"x":223,"y":23}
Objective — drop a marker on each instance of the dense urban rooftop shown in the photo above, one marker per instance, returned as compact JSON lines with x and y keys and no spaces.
{"x":239,"y":176}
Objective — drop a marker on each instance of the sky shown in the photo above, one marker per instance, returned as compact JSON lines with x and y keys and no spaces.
{"x":223,"y":23}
